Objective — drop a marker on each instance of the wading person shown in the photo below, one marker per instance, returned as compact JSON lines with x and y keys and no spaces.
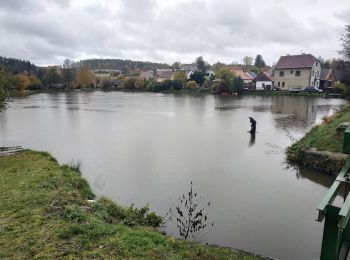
{"x":252,"y":125}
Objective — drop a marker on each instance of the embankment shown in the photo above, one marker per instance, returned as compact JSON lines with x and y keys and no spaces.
{"x":321,"y":148}
{"x":48,"y":211}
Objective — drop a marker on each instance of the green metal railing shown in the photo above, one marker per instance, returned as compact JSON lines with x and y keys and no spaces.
{"x":336,"y":232}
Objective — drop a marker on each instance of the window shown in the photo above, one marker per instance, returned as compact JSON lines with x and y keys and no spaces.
{"x":283,"y":84}
{"x":291,"y":72}
{"x":318,"y":73}
{"x":281,"y":73}
{"x":313,"y":73}
{"x":297,"y":73}
{"x":279,"y":84}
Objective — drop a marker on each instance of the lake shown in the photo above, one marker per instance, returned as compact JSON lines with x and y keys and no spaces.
{"x":146,"y":148}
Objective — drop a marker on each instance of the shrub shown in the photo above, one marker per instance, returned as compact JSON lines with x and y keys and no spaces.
{"x":191,"y":84}
{"x":341,"y":88}
{"x":177,"y":84}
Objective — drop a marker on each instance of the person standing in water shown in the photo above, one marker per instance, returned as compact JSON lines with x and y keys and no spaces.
{"x":252,"y":125}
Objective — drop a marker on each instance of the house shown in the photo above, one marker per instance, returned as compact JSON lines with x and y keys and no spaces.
{"x":297,"y":72}
{"x":148,"y":74}
{"x":327,"y":78}
{"x":247,"y":78}
{"x":164,"y":74}
{"x":189,"y":67}
{"x":263,"y":82}
{"x":252,"y":73}
{"x":209,"y":74}
{"x":102,"y":76}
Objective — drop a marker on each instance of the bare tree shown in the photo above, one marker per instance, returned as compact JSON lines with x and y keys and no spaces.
{"x":190,"y":215}
{"x":67,"y":66}
{"x":345,"y":43}
{"x":248,"y":61}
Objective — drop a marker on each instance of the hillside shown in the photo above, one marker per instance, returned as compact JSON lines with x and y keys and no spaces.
{"x":119,"y":64}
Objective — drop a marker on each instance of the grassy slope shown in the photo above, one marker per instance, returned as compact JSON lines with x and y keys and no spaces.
{"x":322,"y":137}
{"x":44,"y":212}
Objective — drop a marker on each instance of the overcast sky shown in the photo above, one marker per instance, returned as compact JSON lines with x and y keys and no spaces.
{"x":48,"y":31}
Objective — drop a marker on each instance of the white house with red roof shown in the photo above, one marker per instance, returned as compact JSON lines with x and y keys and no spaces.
{"x":263,"y":82}
{"x":297,"y":71}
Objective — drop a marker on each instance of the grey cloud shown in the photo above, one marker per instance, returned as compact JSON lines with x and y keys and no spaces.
{"x":151,"y":30}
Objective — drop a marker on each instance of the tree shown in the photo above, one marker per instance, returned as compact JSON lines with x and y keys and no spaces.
{"x":226,"y":77}
{"x":340,"y":87}
{"x":21,"y":82}
{"x":181,"y":76}
{"x":177,"y":84}
{"x":191,"y":84}
{"x":128,"y":83}
{"x":205,"y":84}
{"x":139,"y":83}
{"x":218,"y":66}
{"x":176,"y":65}
{"x":190,"y":214}
{"x":150,"y":86}
{"x":201,"y":64}
{"x":34,"y":82}
{"x":85,"y":78}
{"x":67,"y":66}
{"x":4,"y":88}
{"x":106,"y":83}
{"x":198,"y":77}
{"x":53,"y":76}
{"x":238,"y":84}
{"x":345,"y":43}
{"x":259,"y":61}
{"x":248,"y":61}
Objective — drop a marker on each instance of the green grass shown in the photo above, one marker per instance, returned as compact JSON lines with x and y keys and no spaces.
{"x":45,"y":213}
{"x":322,"y":137}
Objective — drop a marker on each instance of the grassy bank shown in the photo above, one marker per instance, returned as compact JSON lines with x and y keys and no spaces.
{"x":322,"y":137}
{"x":45,"y":212}
{"x":280,"y":93}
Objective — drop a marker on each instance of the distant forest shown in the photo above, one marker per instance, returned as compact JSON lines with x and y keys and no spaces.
{"x":118,"y":64}
{"x":16,"y":66}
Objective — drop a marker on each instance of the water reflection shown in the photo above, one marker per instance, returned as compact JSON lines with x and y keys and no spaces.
{"x":142,"y":147}
{"x":252,"y":139}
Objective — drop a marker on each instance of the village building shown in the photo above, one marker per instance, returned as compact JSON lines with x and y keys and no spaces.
{"x":148,"y":74}
{"x":327,"y":78}
{"x":297,"y":72}
{"x":252,"y":74}
{"x":263,"y":82}
{"x":164,"y":74}
{"x":209,"y":74}
{"x":247,"y":78}
{"x":189,"y":67}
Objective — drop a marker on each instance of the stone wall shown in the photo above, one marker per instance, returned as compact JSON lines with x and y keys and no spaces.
{"x":325,"y":161}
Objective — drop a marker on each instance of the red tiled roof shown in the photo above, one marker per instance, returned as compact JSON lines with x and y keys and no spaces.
{"x":263,"y":77}
{"x":242,"y":74}
{"x":296,"y":61}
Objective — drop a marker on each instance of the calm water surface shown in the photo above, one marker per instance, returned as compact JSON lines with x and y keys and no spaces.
{"x":146,"y":148}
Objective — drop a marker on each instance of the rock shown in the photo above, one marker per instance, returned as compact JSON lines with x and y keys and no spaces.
{"x":341,"y":127}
